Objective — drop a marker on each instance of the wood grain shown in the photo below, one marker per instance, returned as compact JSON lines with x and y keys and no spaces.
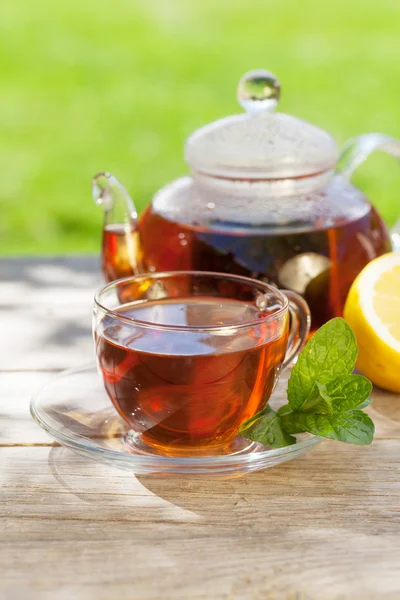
{"x":323,"y":527}
{"x":16,"y":423}
{"x":46,"y":311}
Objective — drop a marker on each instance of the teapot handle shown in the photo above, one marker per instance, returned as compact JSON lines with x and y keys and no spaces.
{"x":356,"y":150}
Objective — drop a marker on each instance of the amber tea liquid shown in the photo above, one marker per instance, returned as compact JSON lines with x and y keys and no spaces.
{"x":121,"y":255}
{"x":330,"y":259}
{"x":189,"y":391}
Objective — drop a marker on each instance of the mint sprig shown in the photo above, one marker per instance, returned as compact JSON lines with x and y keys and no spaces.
{"x":324,"y":397}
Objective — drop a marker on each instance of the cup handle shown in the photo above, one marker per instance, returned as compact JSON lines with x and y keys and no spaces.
{"x":299,"y":326}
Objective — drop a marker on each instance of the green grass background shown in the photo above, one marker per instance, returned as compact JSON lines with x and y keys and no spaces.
{"x":118,"y":85}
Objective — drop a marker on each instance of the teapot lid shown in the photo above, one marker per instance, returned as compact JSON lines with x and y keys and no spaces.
{"x":260,"y":143}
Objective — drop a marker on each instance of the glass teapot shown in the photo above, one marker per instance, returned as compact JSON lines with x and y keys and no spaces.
{"x":269,"y":197}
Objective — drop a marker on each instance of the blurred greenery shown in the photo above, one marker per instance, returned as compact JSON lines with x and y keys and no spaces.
{"x":98,"y":85}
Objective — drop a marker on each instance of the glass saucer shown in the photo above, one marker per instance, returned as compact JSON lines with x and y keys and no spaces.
{"x":75,"y":410}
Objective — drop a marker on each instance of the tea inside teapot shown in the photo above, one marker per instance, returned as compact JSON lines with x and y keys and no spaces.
{"x":320,"y":263}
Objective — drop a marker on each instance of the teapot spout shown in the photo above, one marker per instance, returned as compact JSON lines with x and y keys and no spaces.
{"x":121,"y":247}
{"x":112,"y":195}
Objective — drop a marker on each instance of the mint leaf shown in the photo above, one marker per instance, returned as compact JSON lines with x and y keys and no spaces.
{"x":266,"y":427}
{"x":331,"y":353}
{"x":337,"y":396}
{"x":353,"y":427}
{"x":324,"y":397}
{"x":364,"y":404}
{"x":349,"y":392}
{"x":318,"y":401}
{"x":283,"y":410}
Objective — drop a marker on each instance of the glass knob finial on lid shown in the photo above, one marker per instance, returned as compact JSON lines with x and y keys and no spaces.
{"x":258,"y":91}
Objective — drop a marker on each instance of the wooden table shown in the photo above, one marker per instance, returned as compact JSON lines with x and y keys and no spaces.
{"x":323,"y":527}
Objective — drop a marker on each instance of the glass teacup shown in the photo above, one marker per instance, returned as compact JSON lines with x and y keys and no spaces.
{"x":187,"y":357}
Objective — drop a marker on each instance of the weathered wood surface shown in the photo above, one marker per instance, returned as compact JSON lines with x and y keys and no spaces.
{"x":323,"y":527}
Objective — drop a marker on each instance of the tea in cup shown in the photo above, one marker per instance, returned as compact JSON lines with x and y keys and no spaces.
{"x":187,"y":357}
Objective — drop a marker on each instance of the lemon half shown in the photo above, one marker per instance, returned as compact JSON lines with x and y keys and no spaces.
{"x":372,"y":310}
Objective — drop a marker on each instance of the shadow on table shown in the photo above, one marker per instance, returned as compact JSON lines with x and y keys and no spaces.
{"x":40,"y":272}
{"x":292,"y":494}
{"x":212,"y":499}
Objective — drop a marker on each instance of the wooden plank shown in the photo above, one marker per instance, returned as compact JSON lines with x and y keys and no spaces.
{"x":16,"y":423}
{"x":46,"y":336}
{"x":385,"y":411}
{"x":48,"y":280}
{"x":46,"y":308}
{"x":325,"y":526}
